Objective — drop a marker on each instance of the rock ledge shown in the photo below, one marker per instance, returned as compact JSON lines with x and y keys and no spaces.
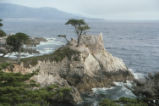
{"x":81,"y":68}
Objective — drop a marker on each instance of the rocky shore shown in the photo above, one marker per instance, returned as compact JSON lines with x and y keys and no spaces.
{"x":80,"y":68}
{"x":36,"y":40}
{"x":32,"y":42}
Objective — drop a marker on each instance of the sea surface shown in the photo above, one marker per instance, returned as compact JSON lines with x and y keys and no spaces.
{"x":137,"y":43}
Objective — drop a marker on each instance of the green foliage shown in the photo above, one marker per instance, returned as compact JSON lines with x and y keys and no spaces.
{"x":108,"y":102}
{"x":57,"y":56}
{"x":17,"y":41}
{"x":79,"y":24}
{"x":75,"y":22}
{"x":2,"y":33}
{"x":18,"y":90}
{"x":80,"y":27}
{"x":131,"y":102}
{"x":4,"y":65}
{"x":122,"y":102}
{"x":147,"y":89}
{"x":1,"y":23}
{"x":127,"y":100}
{"x":30,"y":104}
{"x":13,"y":90}
{"x":136,"y":104}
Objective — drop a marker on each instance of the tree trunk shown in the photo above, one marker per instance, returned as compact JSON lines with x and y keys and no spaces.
{"x":19,"y":55}
{"x":78,"y":40}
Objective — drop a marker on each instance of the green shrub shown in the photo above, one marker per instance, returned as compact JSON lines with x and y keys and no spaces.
{"x":127,"y":100}
{"x":4,"y":104}
{"x":123,"y":101}
{"x":18,"y":90}
{"x":57,"y":56}
{"x":147,"y":89}
{"x":136,"y":104}
{"x":4,"y":65}
{"x":2,"y":33}
{"x":131,"y":102}
{"x":108,"y":102}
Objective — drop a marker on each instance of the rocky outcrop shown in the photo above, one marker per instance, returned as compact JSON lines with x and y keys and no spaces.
{"x":5,"y":49}
{"x":36,"y":41}
{"x":81,"y":68}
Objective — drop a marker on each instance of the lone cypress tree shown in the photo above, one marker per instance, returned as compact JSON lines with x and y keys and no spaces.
{"x":80,"y":26}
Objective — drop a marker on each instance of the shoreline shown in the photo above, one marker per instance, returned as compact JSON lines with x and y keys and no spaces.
{"x":51,"y":45}
{"x":119,"y":88}
{"x":41,"y":48}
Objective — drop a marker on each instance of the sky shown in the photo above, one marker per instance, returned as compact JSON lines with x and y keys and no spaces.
{"x":106,"y":9}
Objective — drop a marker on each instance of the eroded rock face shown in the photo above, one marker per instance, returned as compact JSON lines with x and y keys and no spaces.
{"x":93,"y":66}
{"x":107,"y":62}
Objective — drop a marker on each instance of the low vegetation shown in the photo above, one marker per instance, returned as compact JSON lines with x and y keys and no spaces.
{"x":108,"y":102}
{"x":131,"y":102}
{"x":18,"y":90}
{"x":127,"y":100}
{"x":122,"y":102}
{"x":4,"y":65}
{"x":57,"y":56}
{"x":148,"y":89}
{"x":2,"y":33}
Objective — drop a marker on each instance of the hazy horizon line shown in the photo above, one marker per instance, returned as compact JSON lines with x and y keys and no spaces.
{"x":91,"y":17}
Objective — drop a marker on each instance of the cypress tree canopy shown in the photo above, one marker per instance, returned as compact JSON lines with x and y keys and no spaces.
{"x":16,"y":41}
{"x":1,"y":23}
{"x":2,"y":33}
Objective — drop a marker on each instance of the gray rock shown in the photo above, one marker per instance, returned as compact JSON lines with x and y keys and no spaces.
{"x":93,"y":66}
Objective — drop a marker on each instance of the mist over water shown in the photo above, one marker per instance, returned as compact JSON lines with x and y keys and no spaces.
{"x":136,"y":43}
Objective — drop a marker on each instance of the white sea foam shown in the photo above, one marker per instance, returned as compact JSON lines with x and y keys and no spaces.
{"x":96,"y":90}
{"x":119,"y":90}
{"x":23,"y":55}
{"x":51,"y":41}
{"x":46,"y":51}
{"x":128,"y":83}
{"x":43,"y":48}
{"x":137,"y":75}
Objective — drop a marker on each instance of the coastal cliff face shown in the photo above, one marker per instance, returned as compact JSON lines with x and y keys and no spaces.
{"x":81,"y":68}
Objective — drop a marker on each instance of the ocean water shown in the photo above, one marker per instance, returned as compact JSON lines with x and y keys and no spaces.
{"x":137,"y":43}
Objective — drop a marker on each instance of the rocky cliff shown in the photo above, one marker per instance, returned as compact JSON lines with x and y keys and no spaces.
{"x":81,"y":68}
